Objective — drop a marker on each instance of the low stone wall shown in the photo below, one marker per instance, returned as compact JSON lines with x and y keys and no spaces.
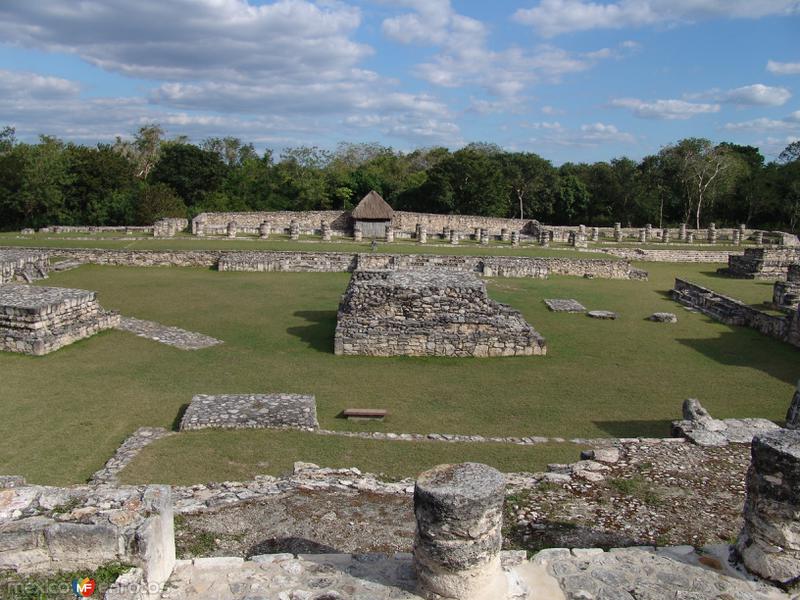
{"x":169,"y":227}
{"x":39,"y":320}
{"x":429,"y":313}
{"x":733,"y":312}
{"x":48,"y":529}
{"x":251,"y":411}
{"x":674,"y":255}
{"x":126,"y":229}
{"x":249,"y":222}
{"x":763,"y":263}
{"x":23,"y":264}
{"x":293,"y":262}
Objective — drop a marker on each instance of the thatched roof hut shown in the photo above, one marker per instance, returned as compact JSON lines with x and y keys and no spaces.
{"x":373,"y":214}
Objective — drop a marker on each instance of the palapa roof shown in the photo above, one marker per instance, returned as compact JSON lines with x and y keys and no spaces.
{"x":372,"y":206}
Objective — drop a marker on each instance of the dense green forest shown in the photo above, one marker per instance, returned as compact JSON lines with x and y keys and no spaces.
{"x":137,"y":181}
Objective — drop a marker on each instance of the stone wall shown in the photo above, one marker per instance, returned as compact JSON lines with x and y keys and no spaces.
{"x":435,"y":223}
{"x":733,"y":312}
{"x":248,"y":222}
{"x":23,"y":264}
{"x":428,"y":313}
{"x":763,"y":263}
{"x":48,"y":529}
{"x":251,"y":411}
{"x":39,"y":320}
{"x":786,"y":294}
{"x":126,"y":229}
{"x":673,"y":255}
{"x":169,"y":227}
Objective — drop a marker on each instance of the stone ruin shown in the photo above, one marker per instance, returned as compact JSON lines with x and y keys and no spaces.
{"x":23,"y":265}
{"x":701,"y":428}
{"x":762,"y":263}
{"x":786,"y":294}
{"x":429,"y":313}
{"x":250,"y":411}
{"x":38,"y":320}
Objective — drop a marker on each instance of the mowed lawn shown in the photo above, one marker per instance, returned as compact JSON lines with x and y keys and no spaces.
{"x":65,"y":414}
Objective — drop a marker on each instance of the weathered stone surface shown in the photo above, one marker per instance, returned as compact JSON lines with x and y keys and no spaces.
{"x":699,"y":427}
{"x":27,"y":265}
{"x":459,"y":511}
{"x":770,"y":540}
{"x":38,"y":320}
{"x":165,"y":334}
{"x":793,"y":414}
{"x":602,"y":314}
{"x":564,"y":305}
{"x":10,"y":481}
{"x":250,"y":411}
{"x":763,"y":263}
{"x":130,"y":448}
{"x":663,"y":317}
{"x":433,"y":312}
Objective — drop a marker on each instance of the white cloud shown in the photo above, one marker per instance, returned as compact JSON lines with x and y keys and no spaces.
{"x":664,"y":109}
{"x":749,"y":95}
{"x":783,"y":68}
{"x":586,"y":136}
{"x":553,"y":17}
{"x":552,"y":110}
{"x":24,"y":84}
{"x":789,"y":123}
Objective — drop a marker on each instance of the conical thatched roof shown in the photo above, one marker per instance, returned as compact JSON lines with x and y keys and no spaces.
{"x":372,"y":206}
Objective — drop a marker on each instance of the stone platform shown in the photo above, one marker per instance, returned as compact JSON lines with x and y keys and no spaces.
{"x":39,"y":320}
{"x":26,"y":265}
{"x":251,"y":411}
{"x":429,"y":313}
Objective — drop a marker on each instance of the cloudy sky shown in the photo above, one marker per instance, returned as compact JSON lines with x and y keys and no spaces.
{"x":576,"y":80}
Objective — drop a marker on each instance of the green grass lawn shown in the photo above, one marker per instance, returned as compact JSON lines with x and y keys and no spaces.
{"x":65,"y":414}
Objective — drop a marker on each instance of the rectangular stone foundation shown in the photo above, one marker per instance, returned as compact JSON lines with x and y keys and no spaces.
{"x":251,"y":411}
{"x":429,"y":313}
{"x":39,"y":320}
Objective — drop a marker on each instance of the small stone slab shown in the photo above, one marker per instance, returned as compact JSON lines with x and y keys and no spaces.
{"x":602,"y":314}
{"x":363,"y":414}
{"x":171,"y":336}
{"x":663,"y":317}
{"x":251,"y":411}
{"x":569,"y":305}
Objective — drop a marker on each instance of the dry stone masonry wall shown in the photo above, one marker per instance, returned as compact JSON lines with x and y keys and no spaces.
{"x":23,"y":264}
{"x":38,"y":320}
{"x":763,"y":263}
{"x":786,"y":294}
{"x":250,"y":411}
{"x":428,"y":313}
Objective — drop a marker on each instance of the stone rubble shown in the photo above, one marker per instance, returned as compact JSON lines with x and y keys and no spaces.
{"x":602,"y":314}
{"x":165,"y":334}
{"x":564,"y":305}
{"x":663,"y":317}
{"x":699,"y":427}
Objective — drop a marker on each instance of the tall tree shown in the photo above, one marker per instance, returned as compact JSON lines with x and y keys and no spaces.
{"x":144,"y":150}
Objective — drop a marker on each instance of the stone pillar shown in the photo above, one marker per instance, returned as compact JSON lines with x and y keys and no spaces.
{"x":454,"y":237}
{"x":690,"y":237}
{"x":769,"y":543}
{"x":445,"y":233}
{"x":743,"y":231}
{"x":459,"y":512}
{"x":264,"y":230}
{"x":484,"y":237}
{"x":357,"y":233}
{"x":544,"y":238}
{"x":477,"y":234}
{"x":595,"y":234}
{"x":617,"y":232}
{"x":643,"y":236}
{"x":737,"y":237}
{"x":665,"y":235}
{"x":759,"y":238}
{"x":582,"y":230}
{"x":648,"y":232}
{"x":793,"y":414}
{"x":423,"y":235}
{"x":417,"y":230}
{"x":682,"y":232}
{"x":232,"y":229}
{"x":294,"y":230}
{"x":326,"y":231}
{"x":515,"y":238}
{"x":129,"y":231}
{"x":504,"y":235}
{"x":712,"y":233}
{"x":389,"y":235}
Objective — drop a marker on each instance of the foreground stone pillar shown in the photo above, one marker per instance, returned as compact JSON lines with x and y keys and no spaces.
{"x":389,"y":235}
{"x":793,"y":415}
{"x":423,"y":235}
{"x":326,"y":231}
{"x":232,"y":229}
{"x":648,"y":232}
{"x":571,"y":238}
{"x":769,"y":544}
{"x":264,"y":230}
{"x":582,"y":230}
{"x":617,"y":232}
{"x":759,"y":238}
{"x":477,"y":234}
{"x":515,"y":238}
{"x":712,"y":233}
{"x":454,"y":237}
{"x":743,"y":231}
{"x":484,"y":237}
{"x":595,"y":234}
{"x":665,"y":235}
{"x":690,"y":237}
{"x":504,"y":235}
{"x":357,"y":233}
{"x":643,"y":236}
{"x":544,"y":238}
{"x":459,"y":512}
{"x":682,"y":232}
{"x":294,"y":230}
{"x":737,"y":237}
{"x":417,"y":229}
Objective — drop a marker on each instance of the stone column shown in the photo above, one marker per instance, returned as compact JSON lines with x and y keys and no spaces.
{"x":769,"y":543}
{"x":595,"y":234}
{"x":690,"y":237}
{"x":665,"y":235}
{"x":793,"y":414}
{"x":477,"y":234}
{"x":515,"y":238}
{"x":571,"y":238}
{"x":648,"y":232}
{"x":544,"y":238}
{"x":294,"y":230}
{"x":484,"y":237}
{"x":389,"y":235}
{"x":742,"y":231}
{"x":454,"y":237}
{"x":643,"y":236}
{"x":682,"y":232}
{"x":357,"y":233}
{"x":232,"y":229}
{"x":737,"y":237}
{"x":423,"y":235}
{"x":504,"y":235}
{"x":264,"y":229}
{"x":445,"y":233}
{"x":712,"y":233}
{"x":759,"y":238}
{"x":617,"y":232}
{"x":582,"y":230}
{"x":326,"y":231}
{"x":417,"y":230}
{"x":459,"y":512}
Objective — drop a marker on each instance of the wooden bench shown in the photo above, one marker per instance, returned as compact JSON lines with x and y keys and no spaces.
{"x":364,"y":414}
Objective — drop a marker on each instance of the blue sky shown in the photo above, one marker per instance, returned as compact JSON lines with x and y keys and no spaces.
{"x":572,"y":80}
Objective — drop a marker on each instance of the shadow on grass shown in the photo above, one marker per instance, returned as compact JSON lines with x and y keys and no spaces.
{"x":319,"y":334}
{"x":655,"y":428}
{"x":176,"y":423}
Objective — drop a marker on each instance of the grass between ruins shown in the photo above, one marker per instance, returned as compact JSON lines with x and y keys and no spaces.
{"x":66,"y":413}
